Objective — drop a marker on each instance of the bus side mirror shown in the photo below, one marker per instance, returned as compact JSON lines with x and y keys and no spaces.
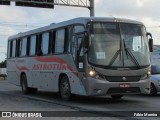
{"x":151,"y":45}
{"x":150,"y":42}
{"x":86,"y":40}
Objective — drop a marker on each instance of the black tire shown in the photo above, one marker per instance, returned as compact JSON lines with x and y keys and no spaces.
{"x":116,"y":96}
{"x":24,"y":86}
{"x":64,"y":89}
{"x":33,"y":90}
{"x":153,"y":90}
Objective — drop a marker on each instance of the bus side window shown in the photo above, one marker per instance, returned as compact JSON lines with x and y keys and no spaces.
{"x":9,"y":50}
{"x":60,"y":39}
{"x":24,"y":46}
{"x":14,"y":48}
{"x":32,"y":47}
{"x":78,"y":29}
{"x":45,"y":43}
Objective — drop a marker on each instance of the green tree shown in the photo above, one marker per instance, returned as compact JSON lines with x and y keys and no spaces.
{"x":3,"y":64}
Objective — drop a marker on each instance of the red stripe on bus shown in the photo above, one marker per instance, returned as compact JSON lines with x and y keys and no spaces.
{"x":56,"y":59}
{"x":21,"y":68}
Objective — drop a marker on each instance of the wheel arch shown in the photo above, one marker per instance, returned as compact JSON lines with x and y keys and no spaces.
{"x":152,"y":83}
{"x":60,"y":77}
{"x":154,"y":87}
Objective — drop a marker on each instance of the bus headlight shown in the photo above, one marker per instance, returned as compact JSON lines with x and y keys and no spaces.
{"x":149,"y":73}
{"x":92,"y":73}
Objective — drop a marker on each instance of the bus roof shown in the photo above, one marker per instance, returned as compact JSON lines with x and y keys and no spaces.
{"x":80,"y":20}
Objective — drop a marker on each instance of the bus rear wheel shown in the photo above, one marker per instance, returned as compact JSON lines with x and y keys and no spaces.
{"x":24,"y":86}
{"x":65,"y":90}
{"x":117,"y":96}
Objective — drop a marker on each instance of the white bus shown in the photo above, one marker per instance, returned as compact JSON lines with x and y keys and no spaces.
{"x":83,"y":56}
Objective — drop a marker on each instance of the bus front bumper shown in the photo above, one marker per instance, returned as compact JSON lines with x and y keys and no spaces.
{"x":98,"y":87}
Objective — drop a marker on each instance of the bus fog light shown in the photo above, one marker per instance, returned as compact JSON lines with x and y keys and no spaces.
{"x":147,"y":90}
{"x":98,"y":91}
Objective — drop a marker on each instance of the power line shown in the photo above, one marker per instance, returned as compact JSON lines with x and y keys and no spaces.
{"x":26,"y":25}
{"x":18,"y":24}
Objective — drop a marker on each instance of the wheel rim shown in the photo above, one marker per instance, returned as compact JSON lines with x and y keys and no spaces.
{"x":65,"y":89}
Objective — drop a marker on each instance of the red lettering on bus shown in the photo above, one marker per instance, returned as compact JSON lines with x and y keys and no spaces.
{"x":49,"y":67}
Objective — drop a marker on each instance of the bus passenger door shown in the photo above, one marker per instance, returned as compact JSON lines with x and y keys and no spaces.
{"x":78,"y":52}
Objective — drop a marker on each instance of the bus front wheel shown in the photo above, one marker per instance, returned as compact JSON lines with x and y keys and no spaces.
{"x":65,"y":90}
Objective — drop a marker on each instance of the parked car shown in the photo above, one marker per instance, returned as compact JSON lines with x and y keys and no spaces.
{"x":155,"y":79}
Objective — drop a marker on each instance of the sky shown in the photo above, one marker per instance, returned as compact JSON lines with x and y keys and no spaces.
{"x":14,"y":19}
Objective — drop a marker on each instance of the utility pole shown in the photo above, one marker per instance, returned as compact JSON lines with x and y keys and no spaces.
{"x":92,"y":9}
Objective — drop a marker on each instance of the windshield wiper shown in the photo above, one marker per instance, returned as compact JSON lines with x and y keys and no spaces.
{"x":128,"y":52}
{"x":116,"y":55}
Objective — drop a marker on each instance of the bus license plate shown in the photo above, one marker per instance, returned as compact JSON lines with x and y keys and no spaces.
{"x":124,"y":85}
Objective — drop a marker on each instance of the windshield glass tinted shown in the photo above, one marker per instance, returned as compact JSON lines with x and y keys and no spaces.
{"x":108,"y":40}
{"x":155,"y":69}
{"x":104,"y":43}
{"x":135,"y":40}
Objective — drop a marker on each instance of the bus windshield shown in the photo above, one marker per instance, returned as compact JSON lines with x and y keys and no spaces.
{"x":118,"y":45}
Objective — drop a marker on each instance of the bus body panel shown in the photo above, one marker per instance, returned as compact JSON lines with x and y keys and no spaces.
{"x":43,"y":72}
{"x":100,"y":87}
{"x":114,"y":78}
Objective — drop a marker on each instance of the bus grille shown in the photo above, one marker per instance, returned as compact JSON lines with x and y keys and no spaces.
{"x":122,"y":78}
{"x":123,"y":90}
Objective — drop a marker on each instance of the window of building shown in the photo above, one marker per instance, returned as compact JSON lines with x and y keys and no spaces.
{"x":24,"y":46}
{"x":45,"y":43}
{"x":32,"y":50}
{"x":60,"y":39}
